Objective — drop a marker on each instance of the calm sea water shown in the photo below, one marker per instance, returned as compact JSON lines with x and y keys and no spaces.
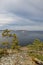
{"x":24,"y":37}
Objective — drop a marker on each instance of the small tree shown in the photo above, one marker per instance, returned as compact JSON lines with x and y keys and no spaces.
{"x":37,"y":44}
{"x":6,"y":33}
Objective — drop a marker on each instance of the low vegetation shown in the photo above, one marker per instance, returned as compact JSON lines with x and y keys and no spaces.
{"x":36,"y":49}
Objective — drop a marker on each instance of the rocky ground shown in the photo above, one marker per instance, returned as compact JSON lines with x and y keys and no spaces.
{"x":17,"y":59}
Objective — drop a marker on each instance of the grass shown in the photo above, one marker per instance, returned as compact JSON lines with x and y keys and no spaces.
{"x":36,"y":55}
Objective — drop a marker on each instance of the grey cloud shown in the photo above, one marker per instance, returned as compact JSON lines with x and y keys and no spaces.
{"x":27,"y":13}
{"x":24,"y":8}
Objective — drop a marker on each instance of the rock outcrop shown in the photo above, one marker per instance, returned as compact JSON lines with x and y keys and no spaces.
{"x":17,"y":59}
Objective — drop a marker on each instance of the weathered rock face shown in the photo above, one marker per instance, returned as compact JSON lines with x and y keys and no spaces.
{"x":17,"y":59}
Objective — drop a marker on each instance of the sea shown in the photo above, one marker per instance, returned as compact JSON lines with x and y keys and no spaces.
{"x":25,"y":37}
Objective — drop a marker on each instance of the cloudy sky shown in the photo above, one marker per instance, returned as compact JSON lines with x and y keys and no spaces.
{"x":21,"y":14}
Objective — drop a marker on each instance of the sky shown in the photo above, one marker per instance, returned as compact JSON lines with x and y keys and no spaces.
{"x":21,"y":14}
